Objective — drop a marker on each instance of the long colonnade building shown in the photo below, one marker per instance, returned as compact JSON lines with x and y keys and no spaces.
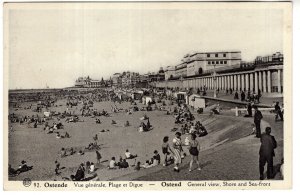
{"x":264,"y":74}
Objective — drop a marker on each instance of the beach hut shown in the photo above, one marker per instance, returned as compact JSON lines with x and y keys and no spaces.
{"x":146,"y":99}
{"x":196,"y":101}
{"x":181,"y":96}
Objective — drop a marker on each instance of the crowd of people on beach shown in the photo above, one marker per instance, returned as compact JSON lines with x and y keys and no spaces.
{"x":83,"y":103}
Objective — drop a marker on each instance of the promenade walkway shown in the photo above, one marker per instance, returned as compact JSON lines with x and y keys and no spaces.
{"x":236,"y":160}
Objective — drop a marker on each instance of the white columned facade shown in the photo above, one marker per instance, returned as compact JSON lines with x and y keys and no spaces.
{"x":279,"y":80}
{"x":259,"y":81}
{"x":223,"y":82}
{"x":238,"y":82}
{"x":243,"y":82}
{"x":264,"y":81}
{"x":269,"y":82}
{"x":251,"y":81}
{"x":256,"y":81}
{"x":234,"y":82}
{"x":247,"y":82}
{"x":231,"y":82}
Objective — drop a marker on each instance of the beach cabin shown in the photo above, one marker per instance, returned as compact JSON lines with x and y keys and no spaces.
{"x":196,"y":101}
{"x":146,"y":99}
{"x":182,"y":97}
{"x":137,"y":95}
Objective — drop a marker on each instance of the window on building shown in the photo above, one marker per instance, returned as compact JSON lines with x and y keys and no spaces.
{"x":225,"y":62}
{"x":213,"y":62}
{"x":224,"y":55}
{"x":208,"y":55}
{"x":216,"y":55}
{"x":208,"y":62}
{"x":221,"y":62}
{"x":217,"y":62}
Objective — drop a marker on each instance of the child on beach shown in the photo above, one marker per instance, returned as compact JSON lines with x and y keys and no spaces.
{"x":112,"y":163}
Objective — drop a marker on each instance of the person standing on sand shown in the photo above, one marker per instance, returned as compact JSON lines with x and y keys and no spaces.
{"x":98,"y":156}
{"x":257,"y":119}
{"x":177,"y":148}
{"x":165,"y":150}
{"x":266,"y":153}
{"x":194,"y":148}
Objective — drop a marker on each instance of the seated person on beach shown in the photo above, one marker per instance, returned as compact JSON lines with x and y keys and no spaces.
{"x":216,"y":109}
{"x":129,"y":112}
{"x":253,"y":129}
{"x":112,"y":163}
{"x":63,"y":152}
{"x":128,"y":155}
{"x":142,"y":127}
{"x":71,"y":151}
{"x":145,"y":117}
{"x":80,"y":152}
{"x":126,"y":124}
{"x":59,"y":125}
{"x":49,"y":130}
{"x":54,"y":126}
{"x":202,"y":131}
{"x":137,"y":167}
{"x":79,"y":176}
{"x":92,"y":168}
{"x":95,"y":138}
{"x":91,"y":146}
{"x":98,"y":121}
{"x":124,"y":164}
{"x":58,"y":136}
{"x":67,"y":135}
{"x":24,"y":167}
{"x":146,"y":165}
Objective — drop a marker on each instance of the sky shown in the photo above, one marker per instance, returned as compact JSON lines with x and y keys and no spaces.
{"x":54,"y":47}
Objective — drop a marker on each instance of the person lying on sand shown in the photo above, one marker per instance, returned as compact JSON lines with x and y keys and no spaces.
{"x":12,"y":172}
{"x":128,"y":155}
{"x":24,"y":167}
{"x":80,"y":152}
{"x":146,"y":165}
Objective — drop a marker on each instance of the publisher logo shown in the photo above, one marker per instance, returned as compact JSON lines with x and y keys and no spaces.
{"x":27,"y":182}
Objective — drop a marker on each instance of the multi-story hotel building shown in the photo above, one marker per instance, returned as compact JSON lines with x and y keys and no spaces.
{"x":87,"y":82}
{"x":201,"y":63}
{"x":264,"y":74}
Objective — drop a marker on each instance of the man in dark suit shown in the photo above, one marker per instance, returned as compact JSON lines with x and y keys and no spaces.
{"x":266,"y":153}
{"x":257,"y":119}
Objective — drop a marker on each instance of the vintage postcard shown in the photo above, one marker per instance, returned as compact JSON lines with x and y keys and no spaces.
{"x":147,"y":95}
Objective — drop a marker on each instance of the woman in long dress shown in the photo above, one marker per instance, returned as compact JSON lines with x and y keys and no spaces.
{"x":177,"y":148}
